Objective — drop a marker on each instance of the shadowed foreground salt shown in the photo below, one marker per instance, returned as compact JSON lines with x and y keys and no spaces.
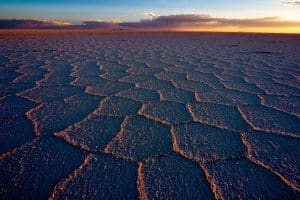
{"x":149,"y":115}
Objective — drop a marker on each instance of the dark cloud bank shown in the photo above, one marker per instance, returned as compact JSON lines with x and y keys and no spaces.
{"x":156,"y":23}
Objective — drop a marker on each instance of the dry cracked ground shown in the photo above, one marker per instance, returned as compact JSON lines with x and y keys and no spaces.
{"x":149,"y":116}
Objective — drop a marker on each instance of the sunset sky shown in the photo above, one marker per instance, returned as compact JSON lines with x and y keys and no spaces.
{"x":226,"y":15}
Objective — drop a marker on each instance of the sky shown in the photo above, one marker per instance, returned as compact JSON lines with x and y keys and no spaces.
{"x":139,"y":11}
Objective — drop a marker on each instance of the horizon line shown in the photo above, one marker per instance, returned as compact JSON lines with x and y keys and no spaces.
{"x":65,"y":30}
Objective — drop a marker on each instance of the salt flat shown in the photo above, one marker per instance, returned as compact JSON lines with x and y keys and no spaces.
{"x":129,"y":115}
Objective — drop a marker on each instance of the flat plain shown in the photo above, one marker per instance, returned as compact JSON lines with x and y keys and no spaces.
{"x":133,"y":115}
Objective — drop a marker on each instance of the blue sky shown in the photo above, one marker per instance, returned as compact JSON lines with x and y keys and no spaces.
{"x":133,"y":10}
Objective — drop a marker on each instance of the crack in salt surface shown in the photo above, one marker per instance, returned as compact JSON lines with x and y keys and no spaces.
{"x":262,"y":165}
{"x":63,"y":183}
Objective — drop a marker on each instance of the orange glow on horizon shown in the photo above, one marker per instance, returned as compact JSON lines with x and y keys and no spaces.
{"x":294,"y":30}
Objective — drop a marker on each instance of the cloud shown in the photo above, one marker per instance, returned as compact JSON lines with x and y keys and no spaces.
{"x":150,"y":14}
{"x":169,"y":22}
{"x":31,"y":24}
{"x":57,"y":23}
{"x":201,"y":21}
{"x":295,"y":3}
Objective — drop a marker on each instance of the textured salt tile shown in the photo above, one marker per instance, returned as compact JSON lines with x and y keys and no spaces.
{"x":92,"y":134}
{"x":114,"y":76}
{"x":155,"y":84}
{"x":207,"y":143}
{"x":278,"y":89}
{"x":243,"y":86}
{"x":48,"y":94}
{"x":88,"y":81}
{"x":278,"y":152}
{"x":4,"y":58}
{"x":174,"y":60}
{"x":256,"y":73}
{"x":56,"y":79}
{"x":109,"y":61}
{"x":270,"y":120}
{"x":230,"y":78}
{"x":57,"y":115}
{"x":30,"y":76}
{"x":13,"y":88}
{"x":118,"y":106}
{"x":280,"y":75}
{"x":287,"y":104}
{"x":218,"y":115}
{"x":140,"y":138}
{"x":191,"y":85}
{"x":113,"y":67}
{"x":137,"y":78}
{"x":14,"y":106}
{"x":32,"y":70}
{"x":227,"y":97}
{"x":171,"y":76}
{"x":181,"y":69}
{"x":209,"y":79}
{"x":143,"y":70}
{"x":33,"y":171}
{"x":173,"y":177}
{"x":58,"y":67}
{"x":139,"y":94}
{"x":135,"y":62}
{"x":108,"y":88}
{"x":138,"y":59}
{"x":102,"y":177}
{"x":241,"y":179}
{"x":166,"y":112}
{"x":89,"y":68}
{"x":154,"y":63}
{"x":177,"y":95}
{"x":209,"y":69}
{"x":235,"y":71}
{"x":7,"y":75}
{"x":293,"y":82}
{"x":15,"y":132}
